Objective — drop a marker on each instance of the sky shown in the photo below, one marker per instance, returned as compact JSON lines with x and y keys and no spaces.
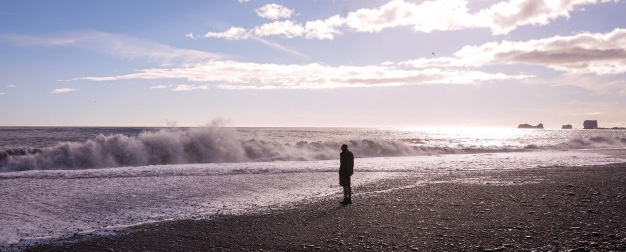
{"x":320,"y":63}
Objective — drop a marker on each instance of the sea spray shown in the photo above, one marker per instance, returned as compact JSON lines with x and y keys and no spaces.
{"x":592,"y":143}
{"x":212,"y":144}
{"x":217,"y":144}
{"x":166,"y":146}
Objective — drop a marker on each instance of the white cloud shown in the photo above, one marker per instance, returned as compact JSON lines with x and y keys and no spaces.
{"x":274,"y":11}
{"x":286,"y":28}
{"x":115,"y":44}
{"x":186,"y":87}
{"x":158,"y":87}
{"x":190,"y":35}
{"x":427,"y":16}
{"x":63,"y":90}
{"x":246,"y":75}
{"x":506,"y":16}
{"x":324,"y":29}
{"x":243,"y":1}
{"x":234,"y":33}
{"x":585,"y":53}
{"x":1,"y":93}
{"x":11,"y":86}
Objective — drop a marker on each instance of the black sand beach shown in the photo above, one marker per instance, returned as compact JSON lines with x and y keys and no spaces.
{"x":550,"y":209}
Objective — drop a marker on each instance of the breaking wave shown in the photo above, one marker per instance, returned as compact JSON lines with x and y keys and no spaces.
{"x":194,"y":145}
{"x":224,"y":145}
{"x":593,"y":143}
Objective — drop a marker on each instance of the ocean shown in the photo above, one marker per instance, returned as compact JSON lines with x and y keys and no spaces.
{"x":59,"y":181}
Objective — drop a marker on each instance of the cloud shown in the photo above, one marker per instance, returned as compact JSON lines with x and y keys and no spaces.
{"x":63,"y":90}
{"x":11,"y":86}
{"x":274,"y":11}
{"x":1,"y":93}
{"x":158,"y":87}
{"x":321,"y":29}
{"x":324,"y":29}
{"x":286,"y":28}
{"x":187,"y":87}
{"x":234,"y":33}
{"x":585,"y":53}
{"x":427,"y":16}
{"x":116,"y":44}
{"x":243,"y":1}
{"x":247,"y":75}
{"x":506,"y":16}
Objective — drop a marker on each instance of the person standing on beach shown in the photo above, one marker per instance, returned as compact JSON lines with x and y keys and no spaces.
{"x":346,"y":165}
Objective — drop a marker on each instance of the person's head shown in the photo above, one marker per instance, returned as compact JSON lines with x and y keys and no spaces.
{"x":344,"y":147}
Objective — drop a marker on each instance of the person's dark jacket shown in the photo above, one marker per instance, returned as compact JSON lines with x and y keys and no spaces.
{"x":346,"y":163}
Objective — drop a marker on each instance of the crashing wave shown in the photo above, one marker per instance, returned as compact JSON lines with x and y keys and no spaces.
{"x":194,"y":145}
{"x":224,"y":145}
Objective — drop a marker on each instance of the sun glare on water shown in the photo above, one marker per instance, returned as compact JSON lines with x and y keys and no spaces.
{"x":477,"y":136}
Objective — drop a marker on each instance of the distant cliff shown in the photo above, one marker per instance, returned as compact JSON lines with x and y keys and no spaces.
{"x":528,"y":126}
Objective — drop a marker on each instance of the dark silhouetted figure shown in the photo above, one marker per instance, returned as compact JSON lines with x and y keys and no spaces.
{"x":346,"y":166}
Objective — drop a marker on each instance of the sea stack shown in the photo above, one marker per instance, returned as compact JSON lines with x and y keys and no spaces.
{"x":590,"y":124}
{"x":528,"y":126}
{"x":567,"y":126}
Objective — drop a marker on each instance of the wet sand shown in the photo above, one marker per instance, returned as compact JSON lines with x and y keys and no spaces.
{"x":549,"y":209}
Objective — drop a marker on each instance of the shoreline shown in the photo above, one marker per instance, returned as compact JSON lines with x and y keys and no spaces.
{"x":490,"y":210}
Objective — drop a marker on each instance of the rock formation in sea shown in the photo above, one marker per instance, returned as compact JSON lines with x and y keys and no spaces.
{"x":567,"y":126}
{"x":590,"y":124}
{"x":528,"y":126}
